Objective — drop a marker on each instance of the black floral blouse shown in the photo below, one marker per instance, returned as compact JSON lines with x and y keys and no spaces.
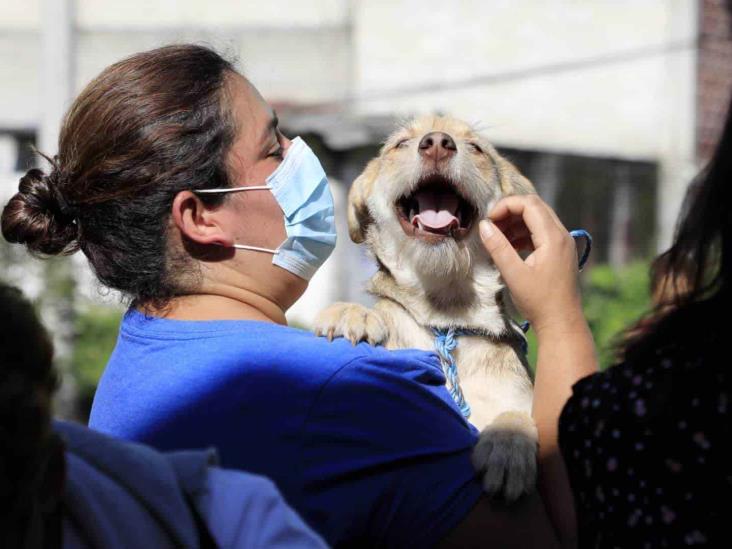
{"x":647,"y":448}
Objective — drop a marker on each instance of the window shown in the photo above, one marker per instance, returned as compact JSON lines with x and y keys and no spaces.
{"x":614,"y":199}
{"x":16,"y":150}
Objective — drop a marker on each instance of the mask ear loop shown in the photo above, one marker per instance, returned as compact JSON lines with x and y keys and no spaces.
{"x":255,"y":249}
{"x":238,"y":189}
{"x":233,"y":189}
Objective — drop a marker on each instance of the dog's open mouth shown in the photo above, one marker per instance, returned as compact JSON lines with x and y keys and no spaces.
{"x":435,"y":211}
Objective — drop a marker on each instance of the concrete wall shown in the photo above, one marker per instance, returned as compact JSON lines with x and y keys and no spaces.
{"x":280,"y":45}
{"x":587,"y":77}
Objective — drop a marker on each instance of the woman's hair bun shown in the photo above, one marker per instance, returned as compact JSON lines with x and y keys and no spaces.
{"x":34,"y":216}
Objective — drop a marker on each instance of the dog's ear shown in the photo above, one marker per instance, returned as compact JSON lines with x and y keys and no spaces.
{"x":511,"y":180}
{"x":359,"y":217}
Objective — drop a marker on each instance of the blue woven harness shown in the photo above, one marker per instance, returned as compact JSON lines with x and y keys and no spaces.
{"x":445,"y":344}
{"x":446,"y":339}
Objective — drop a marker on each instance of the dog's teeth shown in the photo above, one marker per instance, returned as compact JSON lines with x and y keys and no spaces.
{"x":411,"y":214}
{"x":420,"y":226}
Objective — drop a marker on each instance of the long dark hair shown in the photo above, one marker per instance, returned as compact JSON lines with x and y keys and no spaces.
{"x":146,"y":128}
{"x":694,"y":273}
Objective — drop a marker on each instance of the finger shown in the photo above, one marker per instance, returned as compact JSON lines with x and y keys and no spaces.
{"x":521,"y":206}
{"x":508,"y":262}
{"x":532,"y":210}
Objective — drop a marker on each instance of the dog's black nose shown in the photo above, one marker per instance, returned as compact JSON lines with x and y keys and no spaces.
{"x":437,"y":146}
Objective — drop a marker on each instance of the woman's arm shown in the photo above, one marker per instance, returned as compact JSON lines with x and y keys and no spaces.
{"x":523,"y":525}
{"x":566,"y":354}
{"x":545,"y":289}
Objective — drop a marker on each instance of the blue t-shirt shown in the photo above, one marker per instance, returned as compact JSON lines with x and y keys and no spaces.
{"x":365,"y":443}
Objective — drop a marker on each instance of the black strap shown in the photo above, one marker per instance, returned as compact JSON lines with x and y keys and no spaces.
{"x":206,"y":540}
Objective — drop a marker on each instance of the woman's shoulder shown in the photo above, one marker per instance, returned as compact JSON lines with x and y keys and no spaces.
{"x":256,"y":345}
{"x":679,"y":384}
{"x":672,"y":377}
{"x":159,"y":367}
{"x":673,"y":363}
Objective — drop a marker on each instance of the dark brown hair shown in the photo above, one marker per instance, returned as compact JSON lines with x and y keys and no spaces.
{"x":146,"y":128}
{"x":692,"y":278}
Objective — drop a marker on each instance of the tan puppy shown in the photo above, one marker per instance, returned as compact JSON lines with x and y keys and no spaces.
{"x":417,"y":206}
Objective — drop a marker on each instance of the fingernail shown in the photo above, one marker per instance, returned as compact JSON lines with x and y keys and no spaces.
{"x":486,"y":229}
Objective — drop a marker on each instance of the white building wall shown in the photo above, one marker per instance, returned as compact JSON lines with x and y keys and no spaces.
{"x":564,"y":75}
{"x":162,"y":14}
{"x":601,"y":78}
{"x":294,"y":51}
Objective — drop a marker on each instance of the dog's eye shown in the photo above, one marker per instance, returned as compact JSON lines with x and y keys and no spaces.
{"x":475,"y":148}
{"x":401,"y":143}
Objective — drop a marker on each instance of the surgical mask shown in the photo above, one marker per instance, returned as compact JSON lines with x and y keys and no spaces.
{"x":301,"y":189}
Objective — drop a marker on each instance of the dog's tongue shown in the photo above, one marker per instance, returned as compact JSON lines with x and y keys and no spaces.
{"x":436,"y":210}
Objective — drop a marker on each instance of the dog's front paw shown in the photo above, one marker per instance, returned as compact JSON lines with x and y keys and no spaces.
{"x":352,"y":321}
{"x":506,"y":455}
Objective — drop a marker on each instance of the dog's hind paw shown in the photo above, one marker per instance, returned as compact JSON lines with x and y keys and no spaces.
{"x":351,"y":321}
{"x":506,"y":456}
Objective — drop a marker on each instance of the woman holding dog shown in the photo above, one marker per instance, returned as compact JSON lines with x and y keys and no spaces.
{"x":174,"y":180}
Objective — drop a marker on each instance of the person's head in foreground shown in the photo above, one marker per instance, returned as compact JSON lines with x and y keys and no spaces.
{"x":31,"y":455}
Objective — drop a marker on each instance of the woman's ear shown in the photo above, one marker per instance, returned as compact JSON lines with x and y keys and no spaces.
{"x":198,"y":222}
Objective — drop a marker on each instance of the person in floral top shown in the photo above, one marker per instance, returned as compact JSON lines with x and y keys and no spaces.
{"x":647,"y":442}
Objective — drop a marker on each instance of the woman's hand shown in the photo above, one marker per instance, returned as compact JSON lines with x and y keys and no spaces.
{"x":544,"y":285}
{"x":544,"y":288}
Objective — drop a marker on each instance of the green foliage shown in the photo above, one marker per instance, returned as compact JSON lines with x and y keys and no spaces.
{"x":613,"y":301}
{"x":95,"y":334}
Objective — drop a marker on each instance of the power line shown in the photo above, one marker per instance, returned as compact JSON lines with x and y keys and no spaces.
{"x":520,"y":74}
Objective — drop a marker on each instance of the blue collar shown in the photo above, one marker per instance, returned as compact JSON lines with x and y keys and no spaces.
{"x":445,"y":344}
